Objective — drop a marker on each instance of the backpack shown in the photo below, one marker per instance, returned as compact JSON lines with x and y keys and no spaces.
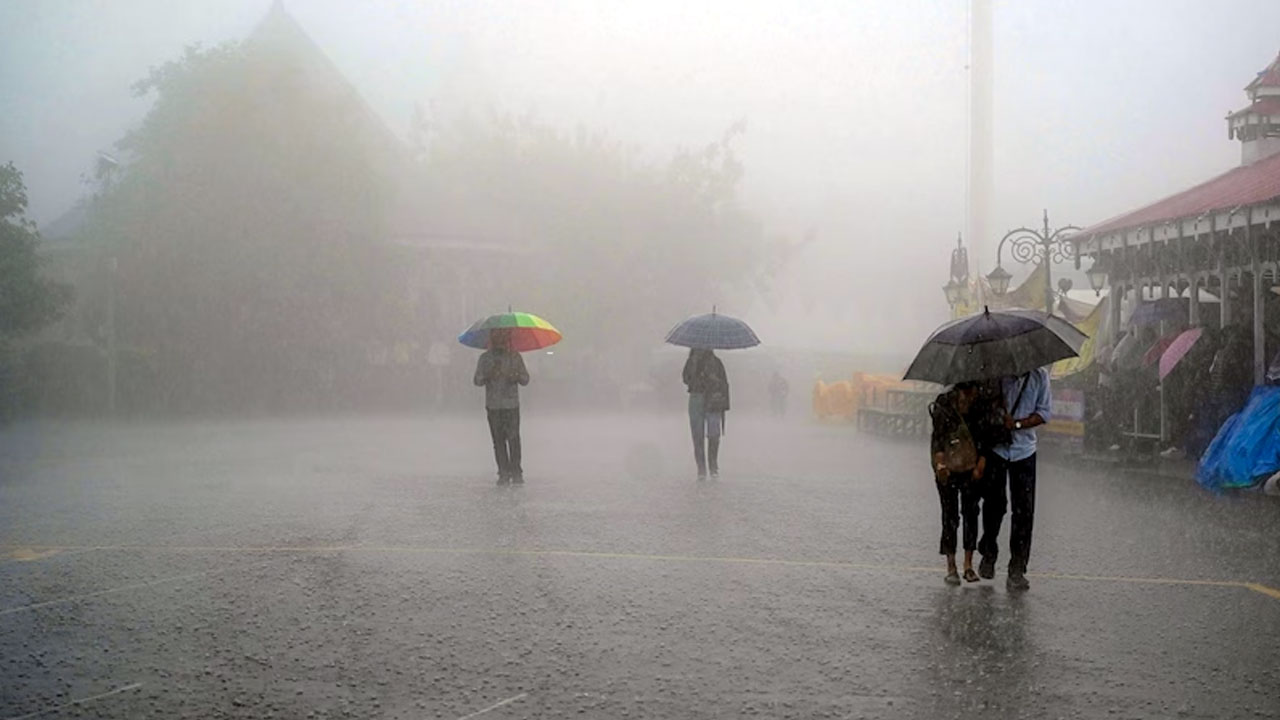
{"x":717,"y":396}
{"x":952,"y":437}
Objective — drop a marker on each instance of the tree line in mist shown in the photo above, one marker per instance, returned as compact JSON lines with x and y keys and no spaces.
{"x":263,"y":243}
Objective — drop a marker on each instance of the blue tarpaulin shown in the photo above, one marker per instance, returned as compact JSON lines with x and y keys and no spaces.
{"x":1247,"y":448}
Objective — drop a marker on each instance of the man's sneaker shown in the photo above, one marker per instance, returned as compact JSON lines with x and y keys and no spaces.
{"x":987,"y":568}
{"x":517,"y":479}
{"x":504,"y":480}
{"x":1017,"y":581}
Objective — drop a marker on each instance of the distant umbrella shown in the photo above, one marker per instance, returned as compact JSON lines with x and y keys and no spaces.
{"x":525,"y":332}
{"x":1156,"y":351}
{"x":994,"y":344}
{"x":713,"y":332}
{"x":1178,"y":349}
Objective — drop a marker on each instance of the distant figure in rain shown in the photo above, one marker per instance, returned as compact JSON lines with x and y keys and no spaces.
{"x":958,"y":466}
{"x":708,"y":401}
{"x":501,"y":371}
{"x":778,"y":391}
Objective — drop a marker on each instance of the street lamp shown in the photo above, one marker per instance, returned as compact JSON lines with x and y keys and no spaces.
{"x":959,"y":282}
{"x":954,"y":292}
{"x":999,"y":279}
{"x":1097,"y":276}
{"x":1034,"y":246}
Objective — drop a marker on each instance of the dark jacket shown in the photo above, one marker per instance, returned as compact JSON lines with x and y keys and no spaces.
{"x":706,"y":376}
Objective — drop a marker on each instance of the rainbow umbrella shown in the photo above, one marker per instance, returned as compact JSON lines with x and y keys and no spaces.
{"x":526,"y":330}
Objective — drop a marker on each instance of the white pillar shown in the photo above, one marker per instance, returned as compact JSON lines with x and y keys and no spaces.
{"x":981,"y":112}
{"x":1193,"y":315}
{"x":1259,"y":307}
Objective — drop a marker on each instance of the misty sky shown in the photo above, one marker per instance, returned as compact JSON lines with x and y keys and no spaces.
{"x":856,"y":111}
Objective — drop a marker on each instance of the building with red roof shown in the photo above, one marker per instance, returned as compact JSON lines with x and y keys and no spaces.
{"x":1222,"y":235}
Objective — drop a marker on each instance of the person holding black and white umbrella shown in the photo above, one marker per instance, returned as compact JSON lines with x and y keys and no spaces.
{"x":705,"y":377}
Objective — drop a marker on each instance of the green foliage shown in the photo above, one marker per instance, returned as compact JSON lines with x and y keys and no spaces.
{"x":28,"y":299}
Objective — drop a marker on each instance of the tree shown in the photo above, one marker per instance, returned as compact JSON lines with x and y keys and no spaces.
{"x":623,"y":248}
{"x":247,"y":220}
{"x":28,"y":299}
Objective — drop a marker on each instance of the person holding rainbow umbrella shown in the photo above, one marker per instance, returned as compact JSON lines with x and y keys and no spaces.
{"x":500,"y":371}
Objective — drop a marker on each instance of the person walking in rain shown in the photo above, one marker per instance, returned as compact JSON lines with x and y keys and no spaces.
{"x":1011,"y":475}
{"x":958,"y":466}
{"x":708,"y":401}
{"x":501,"y":371}
{"x":778,"y":391}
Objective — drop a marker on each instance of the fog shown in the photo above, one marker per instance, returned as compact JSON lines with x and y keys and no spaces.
{"x":853,"y":116}
{"x":280,"y":281}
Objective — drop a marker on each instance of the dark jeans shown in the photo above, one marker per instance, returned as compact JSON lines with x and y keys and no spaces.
{"x":504,"y":427}
{"x":959,"y":496}
{"x":1020,"y":480}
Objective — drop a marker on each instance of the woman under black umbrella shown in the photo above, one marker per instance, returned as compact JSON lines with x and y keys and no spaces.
{"x":958,"y":466}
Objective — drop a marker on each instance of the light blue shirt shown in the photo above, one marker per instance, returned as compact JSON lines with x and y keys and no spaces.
{"x":1036,"y":400}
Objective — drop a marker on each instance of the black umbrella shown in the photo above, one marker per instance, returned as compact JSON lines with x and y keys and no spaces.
{"x":994,"y":344}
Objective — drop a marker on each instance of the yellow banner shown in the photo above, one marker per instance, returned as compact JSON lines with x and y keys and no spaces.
{"x":1089,"y":326}
{"x":1030,"y":294}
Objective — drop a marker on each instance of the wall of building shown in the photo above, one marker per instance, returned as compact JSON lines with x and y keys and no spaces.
{"x":1255,"y":150}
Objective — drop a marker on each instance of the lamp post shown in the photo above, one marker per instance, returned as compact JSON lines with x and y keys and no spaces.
{"x":1034,"y":247}
{"x":1097,"y":274}
{"x":958,"y":283}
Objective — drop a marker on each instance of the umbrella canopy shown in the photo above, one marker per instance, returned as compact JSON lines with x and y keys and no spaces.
{"x":525,"y":330}
{"x":1156,"y":351}
{"x":1153,"y":311}
{"x":713,"y":332}
{"x":1178,"y":349}
{"x":994,"y":344}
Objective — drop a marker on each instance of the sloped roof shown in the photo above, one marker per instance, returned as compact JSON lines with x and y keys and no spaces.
{"x":1269,"y":77}
{"x":280,"y":36}
{"x":1246,"y":185}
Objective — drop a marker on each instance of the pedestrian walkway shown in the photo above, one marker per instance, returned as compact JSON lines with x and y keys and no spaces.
{"x":357,"y":567}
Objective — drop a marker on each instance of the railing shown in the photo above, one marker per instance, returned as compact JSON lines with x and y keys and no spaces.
{"x":877,"y":404}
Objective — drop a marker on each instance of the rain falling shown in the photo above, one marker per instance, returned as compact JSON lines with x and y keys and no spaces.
{"x":599,"y":359}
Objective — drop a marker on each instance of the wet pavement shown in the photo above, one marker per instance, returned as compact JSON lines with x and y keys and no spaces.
{"x":371,"y":568}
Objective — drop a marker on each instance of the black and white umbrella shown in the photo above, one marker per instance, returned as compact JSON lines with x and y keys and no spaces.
{"x":994,"y":344}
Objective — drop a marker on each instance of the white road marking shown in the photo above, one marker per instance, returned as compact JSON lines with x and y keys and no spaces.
{"x":81,"y":701}
{"x":494,"y":706}
{"x":122,"y":588}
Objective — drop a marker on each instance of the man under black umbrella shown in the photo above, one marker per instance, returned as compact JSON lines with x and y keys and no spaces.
{"x":1027,"y":404}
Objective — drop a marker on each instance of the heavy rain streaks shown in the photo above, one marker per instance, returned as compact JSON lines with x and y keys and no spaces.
{"x":487,"y":360}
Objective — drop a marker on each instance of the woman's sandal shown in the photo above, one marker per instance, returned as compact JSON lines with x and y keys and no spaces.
{"x":970,"y":575}
{"x":952,"y":578}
